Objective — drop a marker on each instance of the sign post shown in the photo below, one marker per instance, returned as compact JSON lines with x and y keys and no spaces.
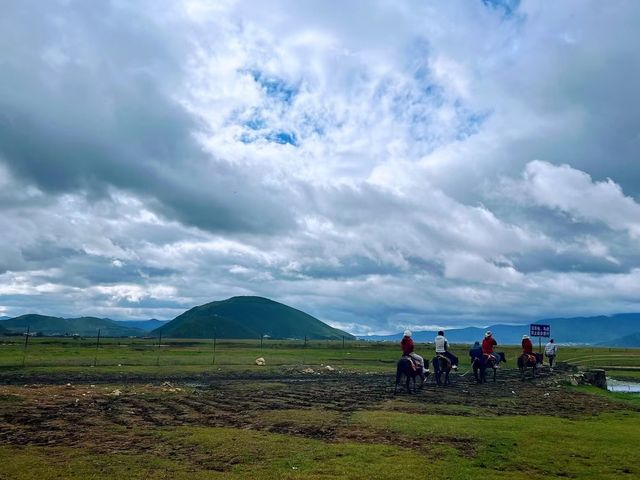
{"x":539,"y":330}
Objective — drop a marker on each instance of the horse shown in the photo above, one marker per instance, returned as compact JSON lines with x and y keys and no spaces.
{"x":490,"y":362}
{"x":407,"y":369}
{"x":441,"y":364}
{"x":529,"y":360}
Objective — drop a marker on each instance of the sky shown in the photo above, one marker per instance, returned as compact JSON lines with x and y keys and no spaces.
{"x":378,"y":164}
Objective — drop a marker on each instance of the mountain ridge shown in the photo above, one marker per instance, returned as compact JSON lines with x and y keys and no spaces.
{"x":248,"y":317}
{"x":144,"y":325}
{"x":84,"y":326}
{"x":594,"y":330}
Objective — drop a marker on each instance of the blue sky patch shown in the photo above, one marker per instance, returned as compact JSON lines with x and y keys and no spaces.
{"x":284,"y":138}
{"x":275,"y":87}
{"x":507,"y":6}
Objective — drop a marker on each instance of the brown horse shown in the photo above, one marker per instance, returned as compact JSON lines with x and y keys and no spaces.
{"x":441,"y":364}
{"x":480,"y":366}
{"x":529,"y":360}
{"x":408,"y":370}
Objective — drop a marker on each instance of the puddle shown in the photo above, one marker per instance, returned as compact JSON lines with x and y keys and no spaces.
{"x":622,"y":386}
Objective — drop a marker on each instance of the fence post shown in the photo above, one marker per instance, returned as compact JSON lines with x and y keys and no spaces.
{"x":26,"y":343}
{"x":95,"y":359}
{"x":213,"y":360}
{"x":261,"y":339}
{"x":158,"y":354}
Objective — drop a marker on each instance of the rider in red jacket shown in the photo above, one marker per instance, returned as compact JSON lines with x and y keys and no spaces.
{"x":488,"y":343}
{"x":527,"y":346}
{"x":407,"y":344}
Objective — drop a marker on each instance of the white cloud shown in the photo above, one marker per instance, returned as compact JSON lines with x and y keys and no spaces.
{"x":573,"y":192}
{"x":375,"y":168}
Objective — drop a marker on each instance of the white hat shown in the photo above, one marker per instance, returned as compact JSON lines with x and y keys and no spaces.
{"x":488,"y":334}
{"x":525,"y":336}
{"x":407,"y":333}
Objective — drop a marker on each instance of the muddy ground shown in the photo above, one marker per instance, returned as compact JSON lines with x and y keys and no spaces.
{"x":109,"y":415}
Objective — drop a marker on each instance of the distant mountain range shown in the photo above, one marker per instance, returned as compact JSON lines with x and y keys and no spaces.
{"x":236,"y":317}
{"x":84,"y":326}
{"x":144,"y":325}
{"x":632,"y":340}
{"x":248,"y":317}
{"x":611,"y":330}
{"x":251,"y":317}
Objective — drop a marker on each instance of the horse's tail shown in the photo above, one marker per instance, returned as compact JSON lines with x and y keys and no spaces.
{"x":522,"y":360}
{"x":399,"y":370}
{"x":503,"y":357}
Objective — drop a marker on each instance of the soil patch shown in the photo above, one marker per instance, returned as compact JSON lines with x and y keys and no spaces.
{"x":121,"y":417}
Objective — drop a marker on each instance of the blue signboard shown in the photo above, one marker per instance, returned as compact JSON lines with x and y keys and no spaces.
{"x":539,"y":330}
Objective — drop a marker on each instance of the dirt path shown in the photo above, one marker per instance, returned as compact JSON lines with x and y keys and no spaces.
{"x":120,"y":418}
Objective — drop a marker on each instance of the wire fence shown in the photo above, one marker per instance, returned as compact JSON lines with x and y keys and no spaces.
{"x":92,"y":352}
{"x":30,"y":352}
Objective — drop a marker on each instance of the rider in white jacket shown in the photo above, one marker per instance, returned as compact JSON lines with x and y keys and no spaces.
{"x":442,"y":348}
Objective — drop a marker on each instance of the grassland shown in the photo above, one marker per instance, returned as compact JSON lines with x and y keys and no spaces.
{"x":138,"y":413}
{"x":176,"y":355}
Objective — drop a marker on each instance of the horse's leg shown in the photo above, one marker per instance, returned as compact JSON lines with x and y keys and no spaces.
{"x":494,"y":374}
{"x":398,"y":378}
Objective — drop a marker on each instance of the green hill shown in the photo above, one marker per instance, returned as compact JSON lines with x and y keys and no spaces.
{"x":248,"y":317}
{"x":632,"y":340}
{"x":85,"y":326}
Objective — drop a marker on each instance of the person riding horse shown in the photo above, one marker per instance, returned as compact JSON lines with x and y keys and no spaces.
{"x":442,"y":348}
{"x":407,"y":346}
{"x":477,"y":361}
{"x":527,"y":349}
{"x":487,"y":349}
{"x":411,"y":365}
{"x":528,"y":357}
{"x":480,"y":362}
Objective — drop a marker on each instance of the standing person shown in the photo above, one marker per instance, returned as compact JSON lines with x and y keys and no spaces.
{"x":527,"y":346}
{"x":550,"y":351}
{"x":442,"y":348}
{"x":407,"y":350}
{"x":487,"y":346}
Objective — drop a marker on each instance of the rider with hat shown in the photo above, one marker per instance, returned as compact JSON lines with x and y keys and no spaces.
{"x":487,"y":346}
{"x":407,"y":350}
{"x":442,"y":348}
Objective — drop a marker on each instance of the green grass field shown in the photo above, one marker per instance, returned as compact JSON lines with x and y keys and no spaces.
{"x":60,"y":354}
{"x":87,"y":432}
{"x":507,"y":448}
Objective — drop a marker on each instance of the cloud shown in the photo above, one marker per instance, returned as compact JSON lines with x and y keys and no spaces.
{"x":401,"y":164}
{"x":573,"y":192}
